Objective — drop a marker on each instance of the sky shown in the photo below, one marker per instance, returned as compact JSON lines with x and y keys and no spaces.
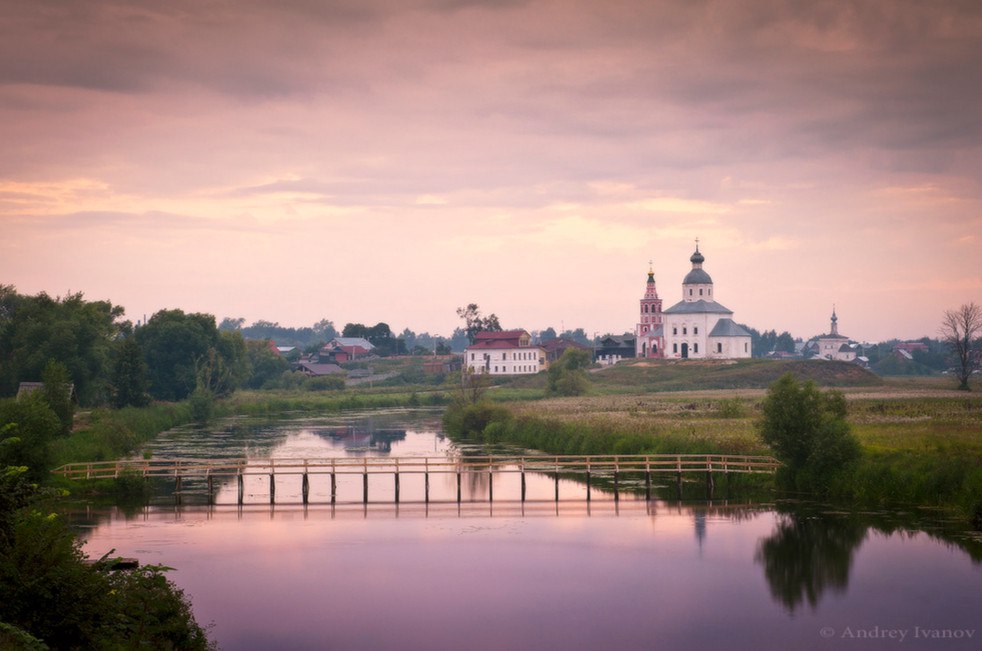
{"x":366,"y":161}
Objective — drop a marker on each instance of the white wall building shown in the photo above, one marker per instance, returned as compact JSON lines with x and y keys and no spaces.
{"x":698,"y":326}
{"x":509,"y":352}
{"x":835,"y":346}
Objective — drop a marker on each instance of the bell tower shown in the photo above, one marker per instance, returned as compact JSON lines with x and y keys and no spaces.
{"x":649,"y":320}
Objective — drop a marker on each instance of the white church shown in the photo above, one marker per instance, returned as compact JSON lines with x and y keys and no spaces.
{"x":697,"y":327}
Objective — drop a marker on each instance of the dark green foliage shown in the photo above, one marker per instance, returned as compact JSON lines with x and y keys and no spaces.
{"x":567,"y":375}
{"x":324,"y":383}
{"x":48,"y":591}
{"x":808,"y":432}
{"x":69,"y":330}
{"x":129,"y":375}
{"x":182,"y":350}
{"x":808,"y":556}
{"x":202,"y":403}
{"x":469,"y":420}
{"x":27,"y":427}
{"x":266,"y":364}
{"x":57,"y":392}
{"x":150,"y":612}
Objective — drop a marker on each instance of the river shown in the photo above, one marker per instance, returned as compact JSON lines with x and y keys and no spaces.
{"x":628,"y":574}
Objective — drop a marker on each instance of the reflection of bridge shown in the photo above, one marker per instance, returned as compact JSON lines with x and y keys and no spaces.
{"x":610,"y":468}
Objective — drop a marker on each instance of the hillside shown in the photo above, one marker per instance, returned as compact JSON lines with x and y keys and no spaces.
{"x":675,"y":375}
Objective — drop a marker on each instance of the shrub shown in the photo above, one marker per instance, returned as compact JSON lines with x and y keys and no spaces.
{"x":808,"y":432}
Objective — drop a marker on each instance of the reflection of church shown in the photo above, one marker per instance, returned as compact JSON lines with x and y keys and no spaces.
{"x":695,"y":327}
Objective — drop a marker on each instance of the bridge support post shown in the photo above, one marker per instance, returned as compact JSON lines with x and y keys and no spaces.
{"x":305,"y":488}
{"x":211,"y":490}
{"x":617,"y":486}
{"x":397,"y":486}
{"x":557,"y":485}
{"x":710,"y":484}
{"x":426,"y":487}
{"x":647,"y":485}
{"x":458,"y":487}
{"x":177,"y":489}
{"x":334,"y":488}
{"x":364,"y":486}
{"x":678,"y":484}
{"x":272,"y":488}
{"x":490,"y":486}
{"x":241,"y":483}
{"x":523,"y":484}
{"x":587,"y":485}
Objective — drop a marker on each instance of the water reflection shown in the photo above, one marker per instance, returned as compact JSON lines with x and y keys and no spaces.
{"x":510,"y":574}
{"x":812,"y":549}
{"x":805,"y":556}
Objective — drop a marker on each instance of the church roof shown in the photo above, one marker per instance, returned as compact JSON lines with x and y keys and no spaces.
{"x":697,"y":307}
{"x":657,"y":331}
{"x":727,"y":328}
{"x":697,"y":277}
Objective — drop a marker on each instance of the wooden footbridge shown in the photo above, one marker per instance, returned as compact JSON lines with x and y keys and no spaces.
{"x":610,"y":469}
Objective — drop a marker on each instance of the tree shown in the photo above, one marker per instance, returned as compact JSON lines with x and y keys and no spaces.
{"x":27,"y":428}
{"x":266,"y":364}
{"x":129,"y":375}
{"x":474,"y":323}
{"x":57,"y":391}
{"x":547,"y":335}
{"x":567,"y":375}
{"x":173,"y":343}
{"x":69,"y":330}
{"x":228,"y":323}
{"x":961,"y":329}
{"x":808,"y":432}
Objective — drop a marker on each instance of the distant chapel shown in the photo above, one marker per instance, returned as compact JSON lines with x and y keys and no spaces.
{"x":696,"y":327}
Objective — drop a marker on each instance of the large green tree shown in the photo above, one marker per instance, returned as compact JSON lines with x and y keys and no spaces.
{"x":181,"y":349}
{"x":27,"y":427}
{"x":808,"y":432}
{"x":57,"y":392}
{"x":129,"y":374}
{"x":69,"y":330}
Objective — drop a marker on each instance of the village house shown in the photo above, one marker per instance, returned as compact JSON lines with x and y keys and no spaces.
{"x":613,"y":349}
{"x":508,"y":352}
{"x":554,"y":348}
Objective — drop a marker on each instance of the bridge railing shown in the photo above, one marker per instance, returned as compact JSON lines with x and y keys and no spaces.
{"x":595,"y":464}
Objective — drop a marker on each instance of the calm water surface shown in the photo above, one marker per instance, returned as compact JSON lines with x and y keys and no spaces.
{"x":577,"y":575}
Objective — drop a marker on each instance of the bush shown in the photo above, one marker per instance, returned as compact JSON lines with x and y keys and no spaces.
{"x":808,"y":432}
{"x":567,"y":375}
{"x":202,"y":402}
{"x":27,"y":427}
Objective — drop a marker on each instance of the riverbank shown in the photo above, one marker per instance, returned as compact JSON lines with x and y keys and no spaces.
{"x":922,"y":445}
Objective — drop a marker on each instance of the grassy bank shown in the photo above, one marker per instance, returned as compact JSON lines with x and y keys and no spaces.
{"x":106,"y":434}
{"x":922,"y":446}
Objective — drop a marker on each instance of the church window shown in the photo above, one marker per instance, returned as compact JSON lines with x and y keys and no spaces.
{"x":695,"y":348}
{"x":645,"y":309}
{"x":700,"y":291}
{"x":472,"y":357}
{"x":685,"y":330}
{"x":719,"y":347}
{"x":675,"y":348}
{"x":745,"y":347}
{"x":690,"y":291}
{"x":675,"y":330}
{"x":695,"y":330}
